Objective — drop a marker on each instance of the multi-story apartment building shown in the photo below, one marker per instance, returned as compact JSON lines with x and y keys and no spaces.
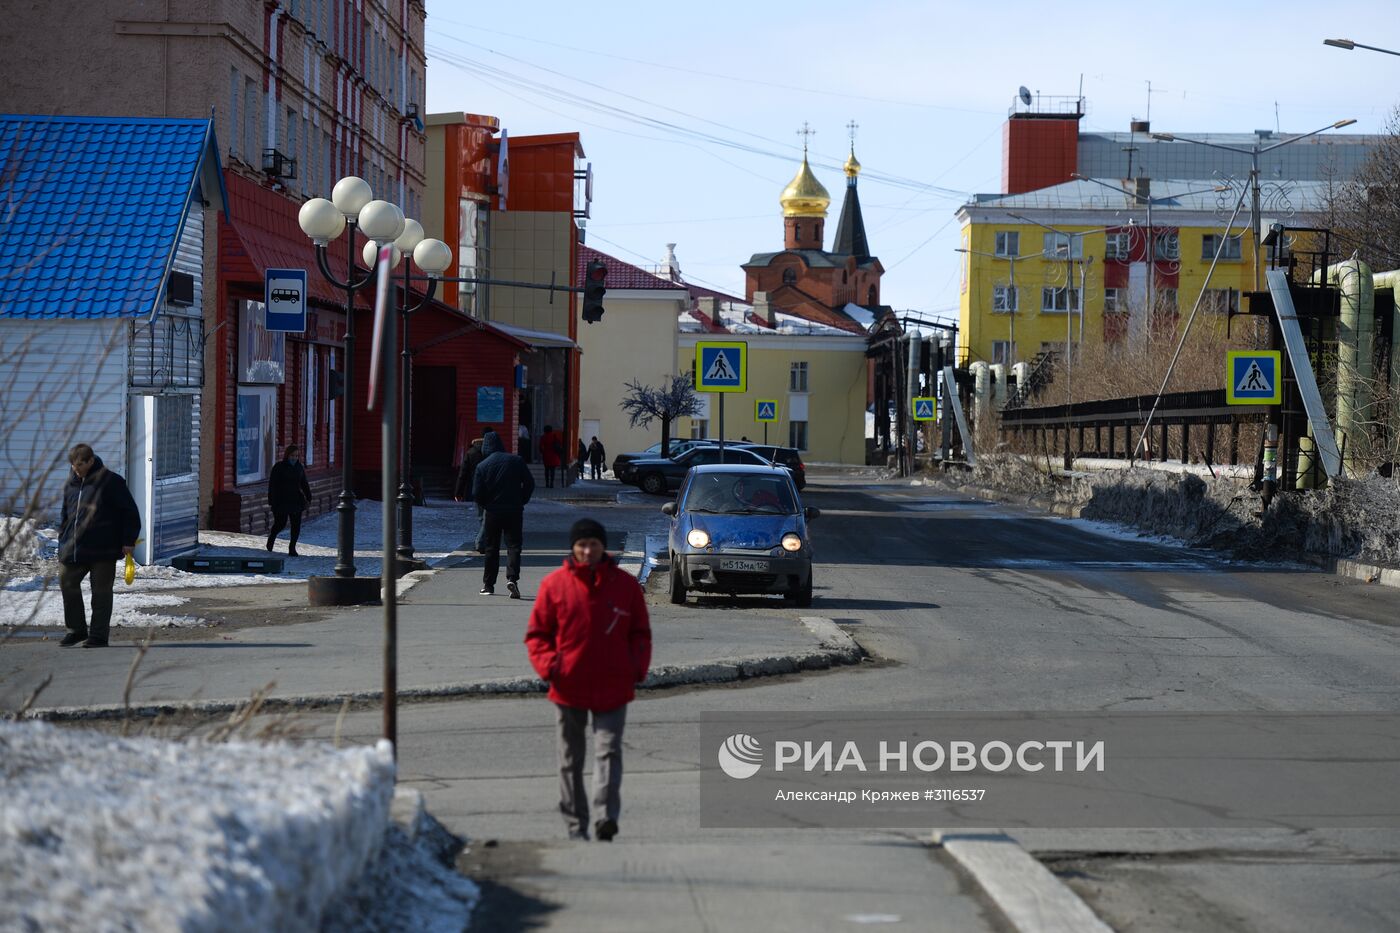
{"x":302,"y":93}
{"x":1109,"y":236}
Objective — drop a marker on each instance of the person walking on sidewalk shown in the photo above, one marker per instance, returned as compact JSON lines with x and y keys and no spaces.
{"x":551,"y":453}
{"x":589,"y":638}
{"x":501,"y":487}
{"x":580,"y":458}
{"x":597,"y":456}
{"x":100,"y":523}
{"x":288,"y":493}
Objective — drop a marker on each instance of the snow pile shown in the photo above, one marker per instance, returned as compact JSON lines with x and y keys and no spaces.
{"x":106,"y":833}
{"x":407,"y":888}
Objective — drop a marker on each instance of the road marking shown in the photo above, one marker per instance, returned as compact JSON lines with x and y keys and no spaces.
{"x":1028,"y":895}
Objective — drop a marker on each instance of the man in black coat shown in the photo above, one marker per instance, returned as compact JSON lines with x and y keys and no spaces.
{"x":100,"y":524}
{"x":501,"y":487}
{"x":597,"y":456}
{"x":288,"y":493}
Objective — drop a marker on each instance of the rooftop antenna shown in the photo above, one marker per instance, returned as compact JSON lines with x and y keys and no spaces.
{"x":1025,"y":94}
{"x":1277,"y":128}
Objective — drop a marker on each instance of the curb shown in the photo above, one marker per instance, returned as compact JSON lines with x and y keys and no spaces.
{"x":1027,"y":893}
{"x":826,"y":655}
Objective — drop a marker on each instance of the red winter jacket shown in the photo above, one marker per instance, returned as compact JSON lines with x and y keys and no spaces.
{"x":552,"y":449}
{"x":589,"y":636}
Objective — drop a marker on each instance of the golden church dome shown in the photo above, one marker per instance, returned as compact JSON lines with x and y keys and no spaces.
{"x":804,"y":196}
{"x":852,"y":166}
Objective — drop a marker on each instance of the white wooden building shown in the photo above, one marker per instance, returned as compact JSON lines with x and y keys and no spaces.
{"x":101,"y":329}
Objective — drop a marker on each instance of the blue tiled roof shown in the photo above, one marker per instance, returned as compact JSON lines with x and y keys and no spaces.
{"x":91,"y":209}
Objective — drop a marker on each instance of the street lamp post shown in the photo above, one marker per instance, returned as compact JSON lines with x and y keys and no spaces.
{"x":1254,"y":152}
{"x":1349,"y":45}
{"x":351,"y":206}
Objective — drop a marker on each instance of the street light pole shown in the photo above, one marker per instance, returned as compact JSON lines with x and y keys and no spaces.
{"x":1349,"y":45}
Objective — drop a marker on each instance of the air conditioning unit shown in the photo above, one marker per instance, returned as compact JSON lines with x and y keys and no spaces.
{"x":279,"y":165}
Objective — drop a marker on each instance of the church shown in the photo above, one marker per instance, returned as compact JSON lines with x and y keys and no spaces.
{"x":806,"y":280}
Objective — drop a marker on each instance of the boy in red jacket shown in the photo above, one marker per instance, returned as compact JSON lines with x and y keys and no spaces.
{"x":590,"y":640}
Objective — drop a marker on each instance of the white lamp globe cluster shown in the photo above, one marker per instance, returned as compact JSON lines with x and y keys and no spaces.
{"x":381,"y":222}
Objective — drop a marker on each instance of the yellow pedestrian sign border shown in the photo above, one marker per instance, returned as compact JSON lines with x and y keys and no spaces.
{"x":1254,"y":377}
{"x":721,"y":366}
{"x":925,"y":408}
{"x":765,"y":410}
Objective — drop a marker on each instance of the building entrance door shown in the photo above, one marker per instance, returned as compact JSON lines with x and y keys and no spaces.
{"x":434,"y":427}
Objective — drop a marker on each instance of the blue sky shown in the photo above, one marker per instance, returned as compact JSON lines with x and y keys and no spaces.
{"x":689,"y":113}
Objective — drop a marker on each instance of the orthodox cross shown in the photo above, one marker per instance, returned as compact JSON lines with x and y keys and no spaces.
{"x":805,"y":133}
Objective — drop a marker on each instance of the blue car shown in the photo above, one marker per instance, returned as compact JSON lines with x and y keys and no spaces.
{"x":740,"y":529}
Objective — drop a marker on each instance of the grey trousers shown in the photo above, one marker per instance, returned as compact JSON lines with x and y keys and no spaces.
{"x":607,"y":764}
{"x":70,"y":578}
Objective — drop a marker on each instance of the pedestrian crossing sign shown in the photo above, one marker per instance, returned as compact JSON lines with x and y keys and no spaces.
{"x":1254,"y":377}
{"x":925,"y":409}
{"x":765,"y":410}
{"x":721,"y":366}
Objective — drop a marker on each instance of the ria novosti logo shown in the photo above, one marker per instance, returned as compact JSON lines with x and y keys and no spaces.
{"x":740,"y":756}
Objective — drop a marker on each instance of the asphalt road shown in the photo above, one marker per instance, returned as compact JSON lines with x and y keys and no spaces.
{"x":966,"y":606}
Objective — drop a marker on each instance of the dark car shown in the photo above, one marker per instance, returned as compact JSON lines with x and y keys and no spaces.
{"x":660,"y":474}
{"x":783,"y":456}
{"x":740,"y":529}
{"x":678,"y":447}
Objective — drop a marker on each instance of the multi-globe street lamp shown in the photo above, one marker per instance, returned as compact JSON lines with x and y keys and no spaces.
{"x":351,"y":207}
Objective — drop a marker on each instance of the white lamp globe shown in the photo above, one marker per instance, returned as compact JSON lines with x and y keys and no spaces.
{"x":320,"y":220}
{"x":432,"y":256}
{"x":381,"y":221}
{"x":410,"y":238}
{"x":350,"y":195}
{"x":371,"y":255}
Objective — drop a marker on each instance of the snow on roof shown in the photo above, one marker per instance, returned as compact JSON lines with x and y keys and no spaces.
{"x":739,"y":318}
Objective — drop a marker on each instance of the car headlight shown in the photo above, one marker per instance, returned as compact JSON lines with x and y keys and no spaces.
{"x":791,"y":542}
{"x":698,"y":538}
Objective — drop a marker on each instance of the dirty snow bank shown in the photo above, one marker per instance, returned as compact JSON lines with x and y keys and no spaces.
{"x":1350,"y":518}
{"x":107,"y":833}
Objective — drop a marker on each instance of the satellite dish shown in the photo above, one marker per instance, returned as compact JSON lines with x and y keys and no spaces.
{"x":1025,"y":95}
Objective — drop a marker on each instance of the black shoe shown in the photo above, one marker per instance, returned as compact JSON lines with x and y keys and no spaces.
{"x":487,"y":591}
{"x":95,"y":643}
{"x":604,"y":830}
{"x":70,"y":640}
{"x":514,"y":589}
{"x":269,"y":544}
{"x":292,"y":552}
{"x":579,"y":834}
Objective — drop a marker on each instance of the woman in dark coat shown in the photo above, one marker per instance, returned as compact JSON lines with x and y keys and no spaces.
{"x":288,"y":493}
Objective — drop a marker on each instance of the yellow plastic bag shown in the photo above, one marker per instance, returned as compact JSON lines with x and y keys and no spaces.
{"x":130,"y":570}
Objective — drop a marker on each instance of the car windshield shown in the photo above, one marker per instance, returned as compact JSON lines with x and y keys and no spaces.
{"x":739,"y":493}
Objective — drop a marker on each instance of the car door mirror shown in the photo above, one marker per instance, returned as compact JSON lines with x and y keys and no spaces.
{"x":669,"y":509}
{"x":811,"y":512}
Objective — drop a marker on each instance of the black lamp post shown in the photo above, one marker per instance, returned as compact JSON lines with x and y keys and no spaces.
{"x":351,"y":207}
{"x":433,"y":257}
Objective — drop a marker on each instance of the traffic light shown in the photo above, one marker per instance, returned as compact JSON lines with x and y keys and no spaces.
{"x":595,"y":279}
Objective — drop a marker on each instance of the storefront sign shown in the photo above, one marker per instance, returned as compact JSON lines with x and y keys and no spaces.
{"x":490,"y":404}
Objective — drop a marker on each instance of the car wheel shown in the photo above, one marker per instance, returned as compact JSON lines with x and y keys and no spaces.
{"x":802,"y":595}
{"x":677,"y":582}
{"x":654,"y":483}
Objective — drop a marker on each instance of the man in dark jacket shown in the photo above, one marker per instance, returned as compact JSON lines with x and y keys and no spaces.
{"x":288,"y":493}
{"x":100,"y":523}
{"x":501,"y":487}
{"x":590,"y":640}
{"x":597,"y":456}
{"x":462,"y":489}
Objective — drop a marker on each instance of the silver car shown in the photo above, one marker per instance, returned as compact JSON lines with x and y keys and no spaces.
{"x":740,"y":529}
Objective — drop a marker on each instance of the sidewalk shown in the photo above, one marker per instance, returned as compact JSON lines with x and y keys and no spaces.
{"x":451,"y":640}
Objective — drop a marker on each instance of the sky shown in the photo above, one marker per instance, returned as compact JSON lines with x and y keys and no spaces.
{"x":689,"y":113}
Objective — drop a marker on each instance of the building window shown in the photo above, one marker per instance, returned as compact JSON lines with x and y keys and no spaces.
{"x":174,"y":435}
{"x":1064,"y":246}
{"x":235,"y":89}
{"x":1168,"y":246}
{"x":1059,"y":300}
{"x":1001,"y":351}
{"x":1218,"y":300}
{"x":251,"y":151}
{"x":1115,"y":300}
{"x":1008,"y":243}
{"x":1118,"y":246}
{"x":789,"y":276}
{"x":797,"y":434}
{"x":1004,"y":298}
{"x":699,"y":428}
{"x":1211,"y":242}
{"x":797,"y":233}
{"x":797,"y":377}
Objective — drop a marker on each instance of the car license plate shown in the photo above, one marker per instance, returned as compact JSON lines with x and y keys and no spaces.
{"x":747,"y":566}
